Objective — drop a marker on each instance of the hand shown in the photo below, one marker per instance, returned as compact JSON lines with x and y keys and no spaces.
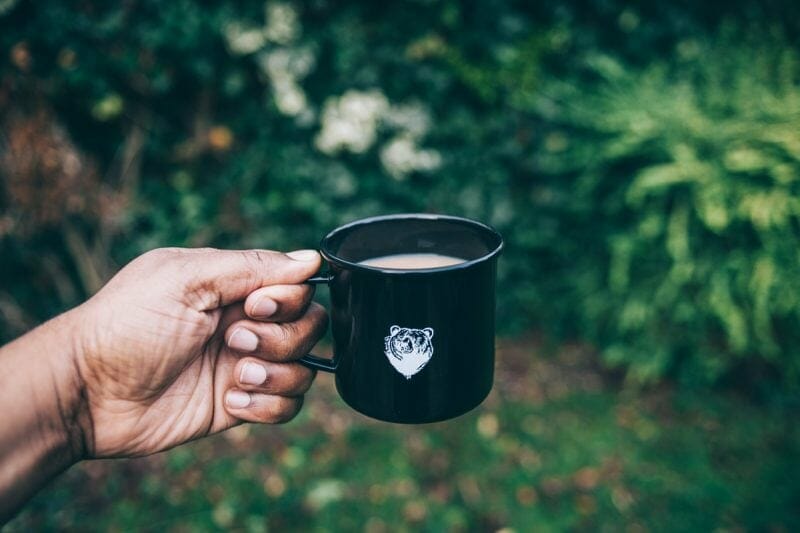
{"x":184,"y":343}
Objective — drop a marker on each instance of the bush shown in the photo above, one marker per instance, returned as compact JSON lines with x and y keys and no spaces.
{"x":679,"y":189}
{"x":641,"y":162}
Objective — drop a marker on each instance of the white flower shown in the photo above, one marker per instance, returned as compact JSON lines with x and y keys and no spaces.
{"x":284,"y":67}
{"x":413,"y":119}
{"x":282,"y":25}
{"x":401,"y":156}
{"x":295,"y":62}
{"x":243,"y":40}
{"x":351,"y":121}
{"x":289,"y":97}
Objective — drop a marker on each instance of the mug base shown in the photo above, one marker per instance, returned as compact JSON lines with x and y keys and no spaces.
{"x":427,"y":419}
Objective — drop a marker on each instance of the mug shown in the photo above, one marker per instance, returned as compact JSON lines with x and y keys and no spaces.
{"x":411,"y":346}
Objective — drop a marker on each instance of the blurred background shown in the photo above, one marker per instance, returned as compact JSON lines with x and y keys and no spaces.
{"x":641,"y":159}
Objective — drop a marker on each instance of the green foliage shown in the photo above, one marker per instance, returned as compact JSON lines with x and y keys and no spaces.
{"x":552,"y":455}
{"x":682,"y":187}
{"x":641,"y":161}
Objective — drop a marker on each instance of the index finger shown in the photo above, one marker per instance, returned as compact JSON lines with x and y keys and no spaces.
{"x":278,"y":342}
{"x":226,"y":276}
{"x":279,"y":303}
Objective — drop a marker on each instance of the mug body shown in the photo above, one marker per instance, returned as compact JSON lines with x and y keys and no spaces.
{"x":413,"y":346}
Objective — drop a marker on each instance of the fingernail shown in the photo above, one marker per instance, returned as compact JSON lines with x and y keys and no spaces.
{"x":253,"y":374}
{"x":243,"y":340}
{"x":264,"y":307}
{"x":303,"y":255}
{"x":237,"y":399}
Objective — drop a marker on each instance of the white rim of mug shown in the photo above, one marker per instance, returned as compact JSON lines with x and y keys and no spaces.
{"x":332,"y":258}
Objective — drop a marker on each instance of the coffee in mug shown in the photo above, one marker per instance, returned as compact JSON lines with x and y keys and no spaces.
{"x":412,"y":261}
{"x":412,"y":315}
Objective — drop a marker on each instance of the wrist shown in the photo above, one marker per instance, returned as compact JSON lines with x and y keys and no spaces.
{"x":50,"y":388}
{"x":46,"y":426}
{"x":70,"y":413}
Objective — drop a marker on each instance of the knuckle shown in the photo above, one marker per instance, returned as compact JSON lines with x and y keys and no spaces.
{"x":305,"y":380}
{"x":299,"y":379}
{"x":316,"y":313}
{"x":259,"y":259}
{"x":283,"y":409}
{"x":166,"y":251}
{"x":156,"y":256}
{"x":306,"y":291}
{"x":158,"y":261}
{"x":285,"y":337}
{"x":181,"y":262}
{"x":319,"y":319}
{"x":294,"y":300}
{"x":280,"y":341}
{"x":298,"y":295}
{"x":291,"y":339}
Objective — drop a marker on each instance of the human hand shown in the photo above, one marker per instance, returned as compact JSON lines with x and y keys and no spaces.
{"x":184,"y":343}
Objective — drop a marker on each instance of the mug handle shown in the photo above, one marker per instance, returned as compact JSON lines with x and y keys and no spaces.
{"x":312,"y":361}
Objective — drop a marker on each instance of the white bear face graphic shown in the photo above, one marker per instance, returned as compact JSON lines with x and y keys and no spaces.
{"x":409,"y":350}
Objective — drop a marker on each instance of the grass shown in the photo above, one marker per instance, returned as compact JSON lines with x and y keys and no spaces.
{"x":557,"y":446}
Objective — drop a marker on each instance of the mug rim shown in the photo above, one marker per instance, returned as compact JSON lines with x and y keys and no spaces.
{"x":332,"y":258}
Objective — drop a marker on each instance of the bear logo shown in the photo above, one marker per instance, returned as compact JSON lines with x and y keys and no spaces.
{"x":409,"y":350}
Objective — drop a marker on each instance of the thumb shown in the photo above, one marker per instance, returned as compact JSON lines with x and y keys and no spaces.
{"x":227,"y":276}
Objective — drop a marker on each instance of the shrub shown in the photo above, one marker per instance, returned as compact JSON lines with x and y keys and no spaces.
{"x":641,"y":163}
{"x":679,"y":187}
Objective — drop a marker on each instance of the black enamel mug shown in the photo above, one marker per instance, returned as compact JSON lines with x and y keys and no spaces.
{"x":411,"y":346}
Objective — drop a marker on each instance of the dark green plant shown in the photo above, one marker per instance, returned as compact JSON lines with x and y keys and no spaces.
{"x":640,"y":160}
{"x":680,"y":187}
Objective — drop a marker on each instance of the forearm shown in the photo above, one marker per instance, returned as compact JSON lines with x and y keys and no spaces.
{"x":41,"y":398}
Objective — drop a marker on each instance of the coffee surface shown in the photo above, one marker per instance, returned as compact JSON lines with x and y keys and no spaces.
{"x":412,"y":261}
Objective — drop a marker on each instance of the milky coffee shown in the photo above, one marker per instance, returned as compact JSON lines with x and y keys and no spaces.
{"x":412,"y":261}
